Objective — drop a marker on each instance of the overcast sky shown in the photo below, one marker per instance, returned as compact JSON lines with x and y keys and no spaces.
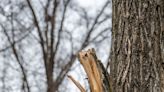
{"x":90,"y":3}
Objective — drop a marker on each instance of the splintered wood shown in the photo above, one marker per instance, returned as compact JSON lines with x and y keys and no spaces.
{"x":98,"y":77}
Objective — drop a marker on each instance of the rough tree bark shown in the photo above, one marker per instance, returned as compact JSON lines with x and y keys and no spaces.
{"x":137,"y":58}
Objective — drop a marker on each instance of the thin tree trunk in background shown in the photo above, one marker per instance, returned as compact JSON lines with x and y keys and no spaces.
{"x":137,"y":58}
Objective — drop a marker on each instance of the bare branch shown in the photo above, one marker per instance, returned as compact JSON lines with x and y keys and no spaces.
{"x":36,"y":23}
{"x":17,"y":58}
{"x":77,"y":84}
{"x":61,"y":27}
{"x":94,"y":23}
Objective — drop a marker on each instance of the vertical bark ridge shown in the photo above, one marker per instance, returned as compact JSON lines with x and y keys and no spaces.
{"x":137,"y":57}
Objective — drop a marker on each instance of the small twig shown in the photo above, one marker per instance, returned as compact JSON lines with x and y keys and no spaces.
{"x":77,"y":84}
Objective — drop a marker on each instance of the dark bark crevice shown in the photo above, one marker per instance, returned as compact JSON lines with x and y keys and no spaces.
{"x":137,"y":47}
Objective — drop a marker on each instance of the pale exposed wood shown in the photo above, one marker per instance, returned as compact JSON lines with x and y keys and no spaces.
{"x":89,"y":64}
{"x":98,"y":77}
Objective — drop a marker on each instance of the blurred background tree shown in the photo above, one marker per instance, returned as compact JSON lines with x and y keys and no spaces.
{"x":40,"y":40}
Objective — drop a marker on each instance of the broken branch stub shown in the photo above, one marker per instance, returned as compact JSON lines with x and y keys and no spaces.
{"x":97,"y":75}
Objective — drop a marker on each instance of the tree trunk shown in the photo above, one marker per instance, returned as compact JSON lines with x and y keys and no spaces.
{"x":137,"y":58}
